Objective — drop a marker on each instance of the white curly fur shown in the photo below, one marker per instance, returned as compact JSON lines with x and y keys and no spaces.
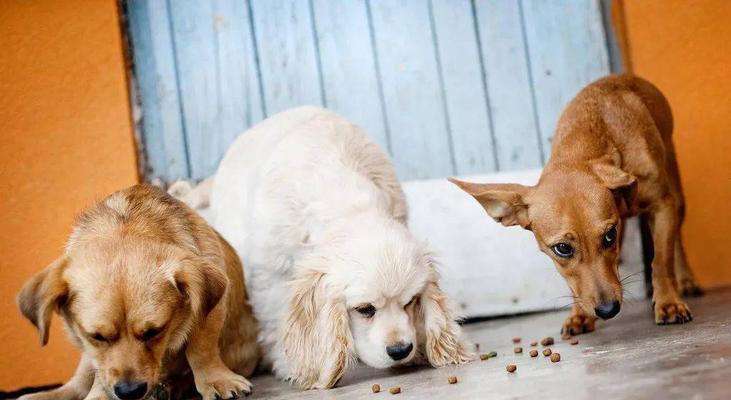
{"x":315,"y":211}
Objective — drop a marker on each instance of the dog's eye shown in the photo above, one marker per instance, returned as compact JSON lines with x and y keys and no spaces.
{"x":150,"y":334}
{"x":610,"y":237}
{"x":99,"y":337}
{"x":563,"y":250}
{"x":366,"y":310}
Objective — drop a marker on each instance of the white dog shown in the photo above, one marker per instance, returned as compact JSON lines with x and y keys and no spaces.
{"x":315,"y":211}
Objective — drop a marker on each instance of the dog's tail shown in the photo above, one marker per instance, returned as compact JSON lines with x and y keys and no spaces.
{"x":196,"y":197}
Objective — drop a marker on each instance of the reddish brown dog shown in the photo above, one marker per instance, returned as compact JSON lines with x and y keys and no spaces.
{"x":152,"y":295}
{"x":612,"y":157}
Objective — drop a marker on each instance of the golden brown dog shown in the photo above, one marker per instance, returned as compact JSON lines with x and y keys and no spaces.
{"x":150,"y":293}
{"x":612,"y":157}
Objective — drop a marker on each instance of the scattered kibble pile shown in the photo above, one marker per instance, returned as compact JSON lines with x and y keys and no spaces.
{"x":511,"y":368}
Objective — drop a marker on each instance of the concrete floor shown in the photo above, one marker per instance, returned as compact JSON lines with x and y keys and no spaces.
{"x":628,"y":357}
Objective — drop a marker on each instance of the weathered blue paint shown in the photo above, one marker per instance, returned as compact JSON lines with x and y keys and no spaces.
{"x":464,"y":91}
{"x":412,"y":92}
{"x":448,"y":87}
{"x":348,"y":65}
{"x":509,"y":87}
{"x":564,"y":54}
{"x":154,"y":64}
{"x":287,"y":54}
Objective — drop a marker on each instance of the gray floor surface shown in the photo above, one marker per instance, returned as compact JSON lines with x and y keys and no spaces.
{"x":628,"y":357}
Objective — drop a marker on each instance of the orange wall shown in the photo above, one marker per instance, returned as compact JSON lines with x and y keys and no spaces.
{"x":684,"y":48}
{"x":65,"y":140}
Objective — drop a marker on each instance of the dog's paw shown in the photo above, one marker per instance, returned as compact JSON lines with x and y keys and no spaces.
{"x":672,"y":312}
{"x":222,"y":385}
{"x":578,"y":324}
{"x":688,"y":288}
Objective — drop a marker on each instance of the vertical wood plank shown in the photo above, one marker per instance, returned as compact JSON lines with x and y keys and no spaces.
{"x":197,"y":60}
{"x":464,"y":87}
{"x":567,"y":49}
{"x":240,"y":100}
{"x":508,"y":84}
{"x":348,"y":66}
{"x":154,"y":65}
{"x":415,"y":109}
{"x":287,"y":54}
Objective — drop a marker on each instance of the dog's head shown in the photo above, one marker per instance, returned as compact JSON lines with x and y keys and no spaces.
{"x":576,"y":217}
{"x":127,"y":301}
{"x":372,"y":293}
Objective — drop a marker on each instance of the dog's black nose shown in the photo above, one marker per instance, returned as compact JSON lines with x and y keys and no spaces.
{"x":130,"y":390}
{"x":607,"y":310}
{"x":399,"y":351}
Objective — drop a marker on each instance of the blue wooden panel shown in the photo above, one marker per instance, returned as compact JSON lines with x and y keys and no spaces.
{"x":566,"y":53}
{"x":287,"y":54}
{"x":411,"y":88}
{"x":239,"y":88}
{"x":508,"y":84}
{"x":154,"y":64}
{"x":464,"y":87}
{"x":196,"y":57}
{"x":349,"y":73}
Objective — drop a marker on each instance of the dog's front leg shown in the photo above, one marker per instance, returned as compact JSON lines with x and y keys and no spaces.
{"x":669,"y":307}
{"x":97,"y":391}
{"x":578,"y":322}
{"x":213,"y":379}
{"x":75,"y":389}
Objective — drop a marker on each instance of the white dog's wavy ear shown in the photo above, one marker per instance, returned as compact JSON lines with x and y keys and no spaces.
{"x":316,"y":337}
{"x":43,"y":294}
{"x":440,"y":335}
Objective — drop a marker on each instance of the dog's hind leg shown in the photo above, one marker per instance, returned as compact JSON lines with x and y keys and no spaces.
{"x":669,"y":307}
{"x":77,"y":388}
{"x":683,"y":275}
{"x":685,"y":280}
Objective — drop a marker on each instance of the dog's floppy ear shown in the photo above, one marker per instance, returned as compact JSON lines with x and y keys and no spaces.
{"x":201,"y":283}
{"x":621,"y":183}
{"x":42,"y":294}
{"x":504,"y":202}
{"x":316,"y":336}
{"x":439,"y":333}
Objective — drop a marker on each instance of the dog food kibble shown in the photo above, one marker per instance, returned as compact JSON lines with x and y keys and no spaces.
{"x":518,"y":350}
{"x":376,"y":388}
{"x":547,"y":341}
{"x":546,"y":352}
{"x":510,"y":367}
{"x":555,"y":357}
{"x":492,"y":354}
{"x":516,"y":339}
{"x":533,"y":353}
{"x":395,"y":390}
{"x":574,"y":342}
{"x":484,"y":357}
{"x":452,"y":380}
{"x":534,"y":344}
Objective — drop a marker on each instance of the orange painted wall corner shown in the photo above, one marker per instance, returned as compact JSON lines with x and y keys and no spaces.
{"x":65,"y":140}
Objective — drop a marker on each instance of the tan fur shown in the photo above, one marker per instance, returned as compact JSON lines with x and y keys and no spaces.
{"x":612,"y":157}
{"x":137,"y":260}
